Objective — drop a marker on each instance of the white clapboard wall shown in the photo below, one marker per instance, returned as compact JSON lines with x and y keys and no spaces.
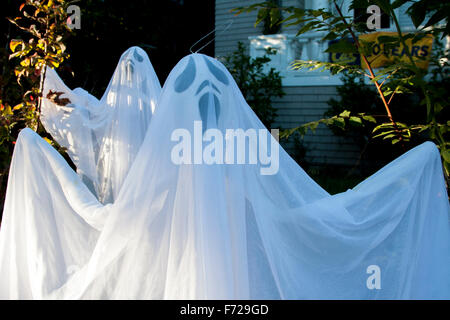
{"x":302,"y":103}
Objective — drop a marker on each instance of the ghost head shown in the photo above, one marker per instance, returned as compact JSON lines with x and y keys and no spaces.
{"x":131,"y":67}
{"x":208,"y":81}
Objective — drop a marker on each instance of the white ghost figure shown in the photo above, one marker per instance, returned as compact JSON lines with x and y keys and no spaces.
{"x":220,"y":231}
{"x":103,"y":136}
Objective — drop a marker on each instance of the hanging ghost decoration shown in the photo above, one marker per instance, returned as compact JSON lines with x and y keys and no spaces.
{"x":103,"y":136}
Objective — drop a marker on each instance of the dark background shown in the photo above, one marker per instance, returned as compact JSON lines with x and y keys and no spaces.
{"x":165,"y":29}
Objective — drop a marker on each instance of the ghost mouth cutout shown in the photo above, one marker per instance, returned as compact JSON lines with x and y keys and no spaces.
{"x":208,"y":103}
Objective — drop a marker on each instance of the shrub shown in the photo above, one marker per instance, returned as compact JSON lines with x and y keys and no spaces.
{"x":258,"y":86}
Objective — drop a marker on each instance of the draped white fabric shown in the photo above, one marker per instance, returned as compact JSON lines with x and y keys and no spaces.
{"x":220,"y":231}
{"x":103,"y":137}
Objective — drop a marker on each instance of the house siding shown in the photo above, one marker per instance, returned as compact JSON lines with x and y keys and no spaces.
{"x":304,"y":104}
{"x":301,"y":104}
{"x":242,"y":27}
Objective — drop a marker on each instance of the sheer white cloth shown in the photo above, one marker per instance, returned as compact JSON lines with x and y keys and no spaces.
{"x":215,"y":231}
{"x":103,"y":137}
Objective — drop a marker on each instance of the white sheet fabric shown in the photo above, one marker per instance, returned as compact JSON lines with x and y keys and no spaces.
{"x":216,"y":231}
{"x":103,"y":137}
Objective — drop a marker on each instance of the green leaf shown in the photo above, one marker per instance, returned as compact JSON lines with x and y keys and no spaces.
{"x":345,"y":114}
{"x":417,"y":12}
{"x":331,"y":36}
{"x":313,"y":126}
{"x":383,"y":133}
{"x":262,"y":14}
{"x":369,"y":118}
{"x":307,"y":27}
{"x":339,"y":122}
{"x":446,"y":155}
{"x":355,"y":120}
{"x":388,"y":136}
{"x":274,"y":16}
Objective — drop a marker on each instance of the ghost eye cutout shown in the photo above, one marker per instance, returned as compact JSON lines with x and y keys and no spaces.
{"x":185,"y":79}
{"x":137,"y":56}
{"x":219,"y":74}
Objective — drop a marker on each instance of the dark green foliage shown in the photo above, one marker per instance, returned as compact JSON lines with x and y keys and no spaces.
{"x":335,"y":179}
{"x":272,"y":20}
{"x":258,"y":86}
{"x":357,"y":97}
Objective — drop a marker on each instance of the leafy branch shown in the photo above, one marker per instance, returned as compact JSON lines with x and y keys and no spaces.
{"x":40,"y":30}
{"x":400,"y":76}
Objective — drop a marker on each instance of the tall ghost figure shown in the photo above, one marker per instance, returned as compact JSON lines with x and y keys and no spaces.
{"x":221,"y":231}
{"x":103,"y":136}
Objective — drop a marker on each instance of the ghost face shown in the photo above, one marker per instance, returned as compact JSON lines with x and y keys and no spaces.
{"x":130,"y":85}
{"x":204,"y":78}
{"x":131,"y":64}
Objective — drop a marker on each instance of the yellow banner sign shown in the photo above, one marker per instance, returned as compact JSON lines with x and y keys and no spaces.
{"x":384,"y":54}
